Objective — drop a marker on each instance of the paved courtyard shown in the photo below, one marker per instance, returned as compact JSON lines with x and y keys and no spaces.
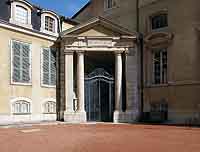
{"x":99,"y":138}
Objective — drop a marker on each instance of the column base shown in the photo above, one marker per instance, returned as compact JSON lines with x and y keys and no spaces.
{"x":75,"y":117}
{"x":125,"y":117}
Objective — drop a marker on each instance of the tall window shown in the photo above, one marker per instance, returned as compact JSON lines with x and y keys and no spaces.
{"x":49,"y":24}
{"x":49,"y":67}
{"x":21,"y":15}
{"x":50,"y":107}
{"x":159,"y":21}
{"x":21,"y":107}
{"x":21,"y":62}
{"x":160,"y":66}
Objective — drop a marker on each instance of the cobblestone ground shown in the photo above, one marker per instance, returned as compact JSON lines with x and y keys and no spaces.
{"x":100,"y":138}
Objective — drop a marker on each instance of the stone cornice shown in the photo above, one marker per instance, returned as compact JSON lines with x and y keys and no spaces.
{"x":158,"y":39}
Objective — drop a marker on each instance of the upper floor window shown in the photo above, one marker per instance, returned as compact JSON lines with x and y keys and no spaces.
{"x":21,"y":13}
{"x":21,"y":63}
{"x":108,"y":4}
{"x":49,"y":24}
{"x":160,"y":66}
{"x":21,"y":107}
{"x":48,"y":67}
{"x":159,"y":21}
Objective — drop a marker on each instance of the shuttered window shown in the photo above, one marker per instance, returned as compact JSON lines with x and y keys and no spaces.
{"x":21,"y":62}
{"x":49,"y":67}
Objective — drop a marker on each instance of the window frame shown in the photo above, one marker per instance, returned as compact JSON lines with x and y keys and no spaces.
{"x":162,"y":12}
{"x":106,"y":2}
{"x":52,"y":15}
{"x":161,"y":68}
{"x":20,"y":99}
{"x":46,"y":101}
{"x":25,"y":5}
{"x":41,"y":68}
{"x":11,"y":64}
{"x":17,"y":17}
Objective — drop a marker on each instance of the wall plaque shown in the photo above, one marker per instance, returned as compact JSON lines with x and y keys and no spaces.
{"x":100,"y":43}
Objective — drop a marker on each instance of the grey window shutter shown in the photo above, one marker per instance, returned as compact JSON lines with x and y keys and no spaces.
{"x":16,"y":75}
{"x":53,"y":68}
{"x":45,"y":67}
{"x":25,"y":63}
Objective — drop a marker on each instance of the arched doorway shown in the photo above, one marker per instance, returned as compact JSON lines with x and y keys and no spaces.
{"x":99,"y":96}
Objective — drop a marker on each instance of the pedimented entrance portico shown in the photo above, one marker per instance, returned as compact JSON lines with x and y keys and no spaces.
{"x":98,"y":35}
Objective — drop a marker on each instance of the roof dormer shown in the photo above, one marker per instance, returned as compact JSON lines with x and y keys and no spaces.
{"x":21,"y":13}
{"x":50,"y":22}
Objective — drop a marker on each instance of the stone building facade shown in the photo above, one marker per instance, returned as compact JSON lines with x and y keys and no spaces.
{"x":113,"y":61}
{"x":170,"y":52}
{"x":28,"y":46}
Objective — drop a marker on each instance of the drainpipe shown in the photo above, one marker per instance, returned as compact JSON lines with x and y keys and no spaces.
{"x":140,"y":45}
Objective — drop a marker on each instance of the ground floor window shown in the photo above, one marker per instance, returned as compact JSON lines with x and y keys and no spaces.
{"x":21,"y":107}
{"x":50,"y":107}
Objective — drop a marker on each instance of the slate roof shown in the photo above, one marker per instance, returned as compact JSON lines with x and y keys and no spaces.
{"x":5,"y":13}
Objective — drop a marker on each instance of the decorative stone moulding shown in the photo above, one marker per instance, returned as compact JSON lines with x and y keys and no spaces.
{"x":158,"y":39}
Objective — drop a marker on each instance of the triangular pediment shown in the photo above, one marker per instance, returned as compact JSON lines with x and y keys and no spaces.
{"x":97,"y":27}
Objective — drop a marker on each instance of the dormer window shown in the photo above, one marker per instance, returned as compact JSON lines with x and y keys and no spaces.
{"x":49,"y":23}
{"x":21,"y":13}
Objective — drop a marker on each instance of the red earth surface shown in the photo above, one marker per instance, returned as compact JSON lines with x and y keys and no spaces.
{"x":99,"y":138}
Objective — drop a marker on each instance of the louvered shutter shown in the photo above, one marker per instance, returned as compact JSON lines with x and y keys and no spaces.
{"x":25,"y":63}
{"x":16,"y":74}
{"x":46,"y":73}
{"x":53,"y":68}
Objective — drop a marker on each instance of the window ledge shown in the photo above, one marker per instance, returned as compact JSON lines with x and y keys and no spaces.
{"x":48,"y":86}
{"x":160,"y":29}
{"x":29,"y":26}
{"x":21,"y":113}
{"x":49,"y":113}
{"x":109,"y":9}
{"x":50,"y":33}
{"x":21,"y":84}
{"x":157,"y":85}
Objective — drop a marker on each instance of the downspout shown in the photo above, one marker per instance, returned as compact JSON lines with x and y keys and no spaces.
{"x":140,"y":46}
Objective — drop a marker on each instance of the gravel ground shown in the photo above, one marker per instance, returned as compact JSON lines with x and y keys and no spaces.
{"x":99,"y":138}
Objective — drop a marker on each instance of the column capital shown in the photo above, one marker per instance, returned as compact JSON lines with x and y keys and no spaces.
{"x":67,"y":52}
{"x":118,"y":52}
{"x":80,"y":52}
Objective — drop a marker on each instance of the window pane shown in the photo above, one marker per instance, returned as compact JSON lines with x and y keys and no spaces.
{"x":159,"y":21}
{"x":157,"y":75}
{"x":21,"y":15}
{"x":164,"y":68}
{"x":160,"y":66}
{"x":21,"y":107}
{"x":49,"y":24}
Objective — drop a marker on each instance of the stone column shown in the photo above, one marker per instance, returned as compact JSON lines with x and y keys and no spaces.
{"x":118,"y":87}
{"x":69,"y":78}
{"x":80,"y":81}
{"x":81,"y":114}
{"x":69,"y":85}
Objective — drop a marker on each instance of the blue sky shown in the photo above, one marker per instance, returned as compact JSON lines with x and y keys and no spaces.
{"x":63,"y":7}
